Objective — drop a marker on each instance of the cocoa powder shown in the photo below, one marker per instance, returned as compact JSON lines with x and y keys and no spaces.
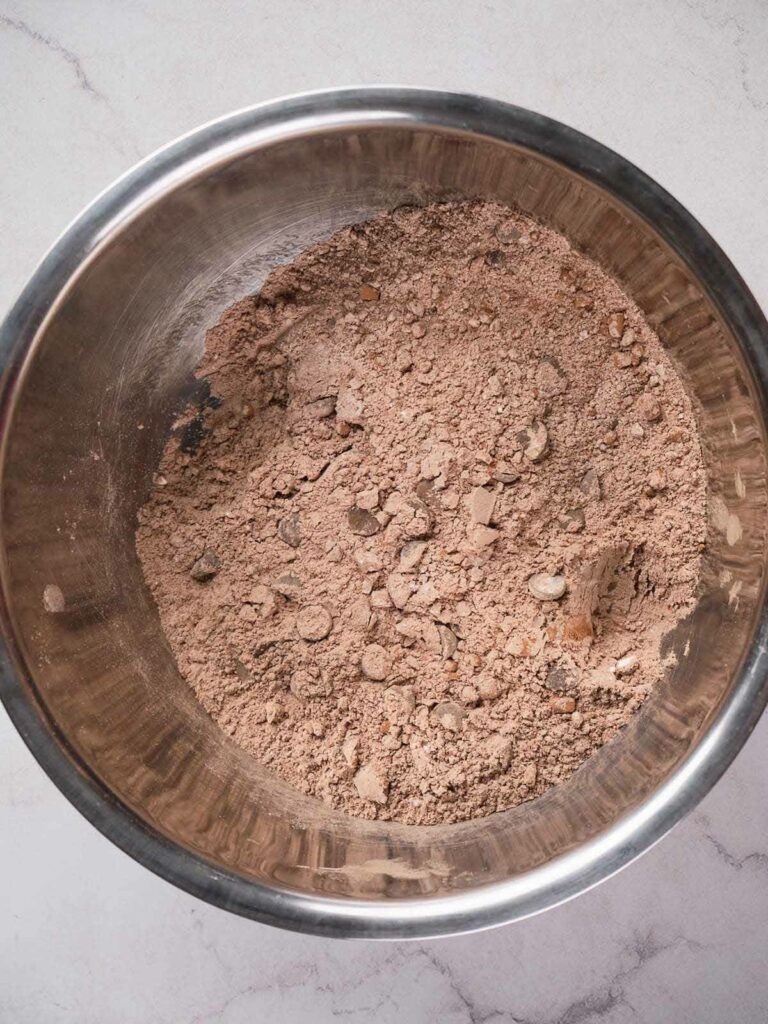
{"x":447,"y":499}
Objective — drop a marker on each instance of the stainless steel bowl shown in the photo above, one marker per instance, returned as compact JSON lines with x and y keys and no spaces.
{"x":97,"y":355}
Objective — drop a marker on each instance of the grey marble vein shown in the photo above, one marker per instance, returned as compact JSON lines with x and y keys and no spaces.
{"x":756,"y":858}
{"x":612,"y":993}
{"x":474,"y":1015}
{"x":722,"y":16}
{"x":595,"y":1006}
{"x":55,"y":47}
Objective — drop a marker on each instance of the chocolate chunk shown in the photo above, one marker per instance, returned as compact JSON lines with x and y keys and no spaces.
{"x":206,"y":566}
{"x":362,"y":522}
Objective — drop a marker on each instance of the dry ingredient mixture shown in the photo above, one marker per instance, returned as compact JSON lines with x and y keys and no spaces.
{"x":446,"y":496}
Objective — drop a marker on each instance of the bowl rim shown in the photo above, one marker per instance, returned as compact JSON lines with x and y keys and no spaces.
{"x":321,"y":111}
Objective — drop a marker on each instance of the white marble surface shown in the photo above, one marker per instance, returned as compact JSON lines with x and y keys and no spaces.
{"x":88,"y":87}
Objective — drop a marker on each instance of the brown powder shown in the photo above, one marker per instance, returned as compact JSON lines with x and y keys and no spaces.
{"x":447,"y":501}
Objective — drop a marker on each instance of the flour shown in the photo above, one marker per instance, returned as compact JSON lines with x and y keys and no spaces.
{"x":448,"y":499}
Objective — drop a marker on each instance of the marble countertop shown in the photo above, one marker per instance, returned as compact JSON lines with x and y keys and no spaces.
{"x":678,"y":86}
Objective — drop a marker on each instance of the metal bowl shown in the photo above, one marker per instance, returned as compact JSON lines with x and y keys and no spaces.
{"x":98,"y":353}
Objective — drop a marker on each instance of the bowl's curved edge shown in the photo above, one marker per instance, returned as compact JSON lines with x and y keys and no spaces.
{"x":574,"y":872}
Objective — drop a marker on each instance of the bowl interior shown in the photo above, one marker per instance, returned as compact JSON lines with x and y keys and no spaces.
{"x":111,"y":366}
